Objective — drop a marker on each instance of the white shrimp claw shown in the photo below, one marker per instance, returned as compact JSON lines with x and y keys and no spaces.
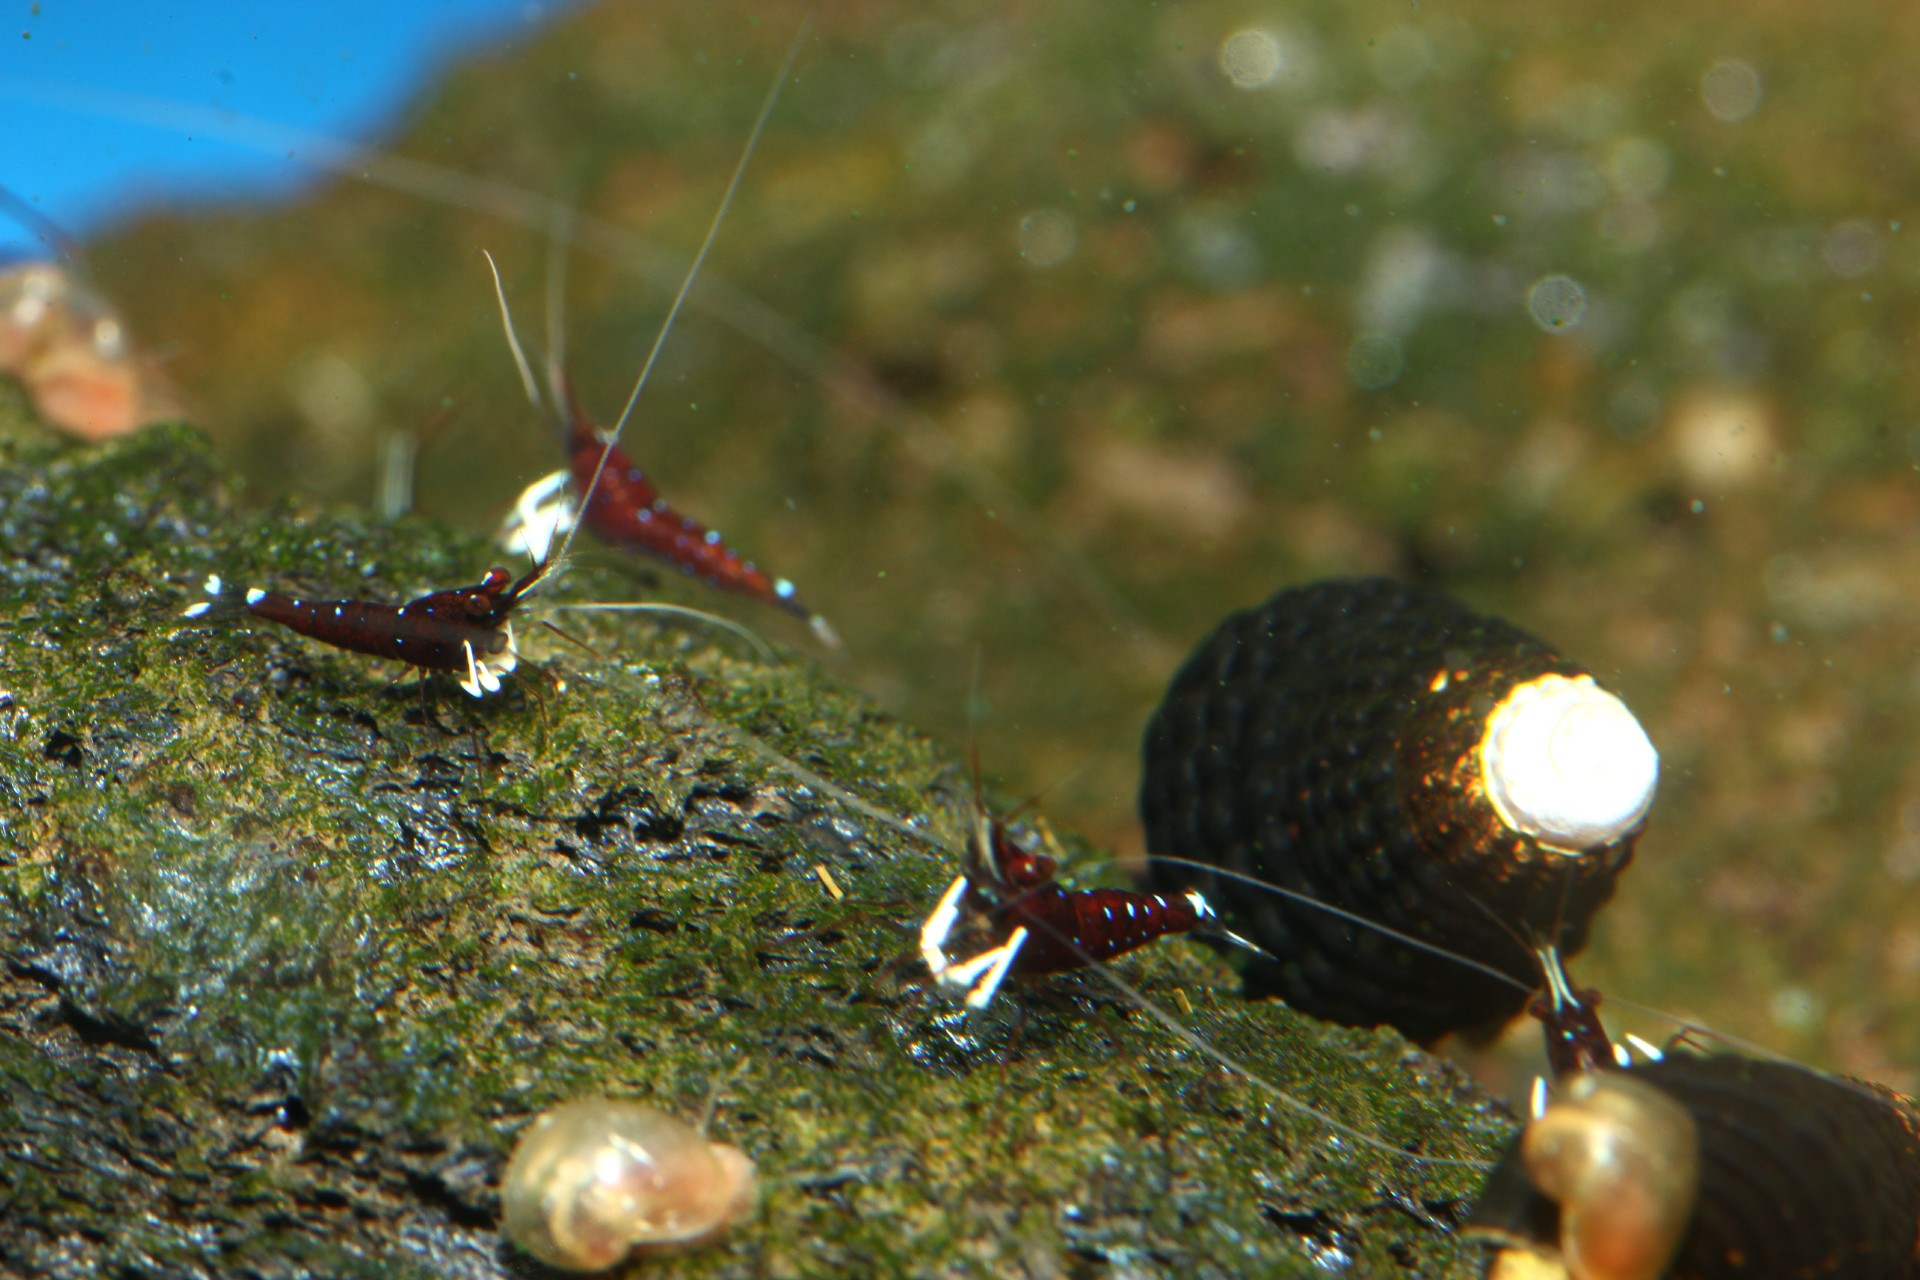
{"x":979,"y":977}
{"x":542,"y":515}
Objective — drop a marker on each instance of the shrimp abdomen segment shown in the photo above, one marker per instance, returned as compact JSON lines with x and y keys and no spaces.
{"x":406,"y":633}
{"x":626,"y":510}
{"x":1069,"y":930}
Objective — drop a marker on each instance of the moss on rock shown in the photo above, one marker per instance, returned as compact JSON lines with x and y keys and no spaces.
{"x":293,"y":949}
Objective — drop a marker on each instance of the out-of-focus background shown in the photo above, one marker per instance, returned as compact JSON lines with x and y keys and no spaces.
{"x":1045,"y":334}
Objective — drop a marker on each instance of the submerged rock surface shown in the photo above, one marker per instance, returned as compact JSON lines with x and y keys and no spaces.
{"x":293,"y":949}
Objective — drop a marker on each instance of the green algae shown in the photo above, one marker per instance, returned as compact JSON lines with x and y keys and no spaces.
{"x":293,"y":948}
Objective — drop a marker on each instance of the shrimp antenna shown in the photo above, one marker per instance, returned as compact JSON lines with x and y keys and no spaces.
{"x":693,"y":270}
{"x":559,"y":239}
{"x":1180,"y":1031}
{"x":1201,"y":1045}
{"x":1351,"y":917}
{"x":760,"y":646}
{"x":513,"y":340}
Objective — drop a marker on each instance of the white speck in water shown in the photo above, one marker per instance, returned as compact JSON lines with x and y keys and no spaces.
{"x":1731,"y":90}
{"x":1047,"y":238}
{"x":1557,"y":303}
{"x":1251,"y":58}
{"x":1375,"y":361}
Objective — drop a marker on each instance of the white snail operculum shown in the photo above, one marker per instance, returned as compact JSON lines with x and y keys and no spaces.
{"x":1622,"y":1160}
{"x":596,"y":1178}
{"x":1564,"y":761}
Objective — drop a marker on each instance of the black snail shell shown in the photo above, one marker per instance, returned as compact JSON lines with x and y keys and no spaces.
{"x":1704,"y":1167}
{"x":1383,"y":748}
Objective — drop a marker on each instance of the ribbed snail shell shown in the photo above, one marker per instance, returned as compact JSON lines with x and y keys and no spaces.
{"x":1385,"y":749}
{"x":1706,"y":1168}
{"x":596,"y":1178}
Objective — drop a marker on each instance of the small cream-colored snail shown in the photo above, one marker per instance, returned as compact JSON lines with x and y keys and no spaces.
{"x":1622,"y":1160}
{"x":596,"y":1178}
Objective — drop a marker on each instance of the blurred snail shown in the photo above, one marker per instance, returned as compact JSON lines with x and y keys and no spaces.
{"x":596,"y":1178}
{"x":69,"y":351}
{"x":1707,"y":1166}
{"x":1384,"y":749}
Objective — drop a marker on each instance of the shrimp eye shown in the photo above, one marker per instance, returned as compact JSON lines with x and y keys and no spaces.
{"x":478,"y":603}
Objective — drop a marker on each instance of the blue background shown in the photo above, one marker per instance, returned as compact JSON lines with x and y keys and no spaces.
{"x":109,"y":106}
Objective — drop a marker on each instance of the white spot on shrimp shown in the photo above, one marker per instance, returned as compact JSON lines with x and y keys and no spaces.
{"x":255,"y":595}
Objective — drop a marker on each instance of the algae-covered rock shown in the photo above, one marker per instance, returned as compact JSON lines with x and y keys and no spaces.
{"x":294,"y":948}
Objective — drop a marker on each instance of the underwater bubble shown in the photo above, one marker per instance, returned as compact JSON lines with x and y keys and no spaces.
{"x":1852,"y":249}
{"x":1251,"y":58}
{"x":1375,"y":360}
{"x":1047,"y":237}
{"x":1557,"y":303}
{"x":1731,"y":90}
